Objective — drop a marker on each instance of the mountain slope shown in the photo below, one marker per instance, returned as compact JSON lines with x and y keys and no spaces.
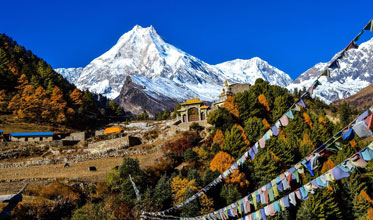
{"x":354,"y":73}
{"x":361,"y":100}
{"x":164,"y":70}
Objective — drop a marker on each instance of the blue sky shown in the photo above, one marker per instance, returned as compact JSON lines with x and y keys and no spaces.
{"x":290,"y":35}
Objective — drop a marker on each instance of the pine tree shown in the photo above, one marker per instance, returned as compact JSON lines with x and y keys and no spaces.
{"x":230,"y":193}
{"x":162,"y":192}
{"x":254,"y":129}
{"x":234,"y":142}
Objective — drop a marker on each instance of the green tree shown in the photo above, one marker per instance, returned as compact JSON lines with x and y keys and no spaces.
{"x":234,"y":143}
{"x":345,"y":113}
{"x":221,"y":119}
{"x":162,"y":193}
{"x":230,"y":193}
{"x":254,"y":128}
{"x":192,"y":208}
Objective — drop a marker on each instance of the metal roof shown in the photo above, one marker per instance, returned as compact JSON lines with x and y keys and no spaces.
{"x":31,"y":134}
{"x":1,"y":131}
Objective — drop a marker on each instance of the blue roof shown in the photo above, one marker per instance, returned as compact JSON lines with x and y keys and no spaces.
{"x":31,"y":134}
{"x":1,"y":131}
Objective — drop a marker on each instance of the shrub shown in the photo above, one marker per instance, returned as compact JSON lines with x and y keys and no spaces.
{"x":190,"y":155}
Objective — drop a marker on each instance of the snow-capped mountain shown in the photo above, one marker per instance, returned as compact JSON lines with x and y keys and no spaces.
{"x":354,"y":73}
{"x":249,"y":70}
{"x":143,"y":52}
{"x":162,"y":70}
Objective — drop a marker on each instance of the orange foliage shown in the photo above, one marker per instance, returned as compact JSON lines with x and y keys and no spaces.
{"x":329,"y":164}
{"x":366,"y":196}
{"x":353,"y":143}
{"x":221,"y":162}
{"x":231,"y":106}
{"x":370,"y":213}
{"x":76,"y":97}
{"x":307,"y":140}
{"x":178,"y":146}
{"x":219,"y":137}
{"x":243,"y":134}
{"x":322,"y":120}
{"x":266,"y":124}
{"x":282,"y":134}
{"x":262,"y":100}
{"x":307,"y":120}
{"x":22,"y":82}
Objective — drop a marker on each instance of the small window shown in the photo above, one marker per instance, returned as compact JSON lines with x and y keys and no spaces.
{"x":26,"y":138}
{"x":41,"y":138}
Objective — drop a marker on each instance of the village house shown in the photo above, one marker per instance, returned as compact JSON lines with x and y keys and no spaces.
{"x":31,"y":137}
{"x":192,"y":110}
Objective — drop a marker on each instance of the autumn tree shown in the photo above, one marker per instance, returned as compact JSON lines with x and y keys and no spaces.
{"x":231,"y":106}
{"x":219,"y":137}
{"x":263,"y":101}
{"x":58,"y":105}
{"x":221,"y":162}
{"x":3,"y":100}
{"x":180,"y":187}
{"x":76,"y":97}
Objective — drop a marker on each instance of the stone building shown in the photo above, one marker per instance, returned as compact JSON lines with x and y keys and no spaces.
{"x":31,"y":137}
{"x":229,"y":90}
{"x":192,"y":110}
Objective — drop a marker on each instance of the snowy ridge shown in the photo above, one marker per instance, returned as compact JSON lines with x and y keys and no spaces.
{"x":355,"y":73}
{"x":164,"y":70}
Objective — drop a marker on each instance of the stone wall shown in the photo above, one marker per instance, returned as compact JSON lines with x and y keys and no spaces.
{"x":238,"y":87}
{"x":107,"y":144}
{"x":81,"y":157}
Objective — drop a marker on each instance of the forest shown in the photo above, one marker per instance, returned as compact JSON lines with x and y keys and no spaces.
{"x":130,"y":191}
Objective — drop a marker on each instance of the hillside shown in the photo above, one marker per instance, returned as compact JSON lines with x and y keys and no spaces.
{"x":33,"y":92}
{"x":359,"y":101}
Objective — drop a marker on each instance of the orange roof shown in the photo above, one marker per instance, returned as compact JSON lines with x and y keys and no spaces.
{"x":113,"y":130}
{"x":204,"y":106}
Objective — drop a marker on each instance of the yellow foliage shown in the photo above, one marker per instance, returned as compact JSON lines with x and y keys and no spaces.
{"x":262,"y":100}
{"x":203,"y":156}
{"x":329,"y":164}
{"x":207,"y":204}
{"x":221,"y":162}
{"x":231,"y":106}
{"x":219,"y":137}
{"x":179,"y":188}
{"x":307,"y":120}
